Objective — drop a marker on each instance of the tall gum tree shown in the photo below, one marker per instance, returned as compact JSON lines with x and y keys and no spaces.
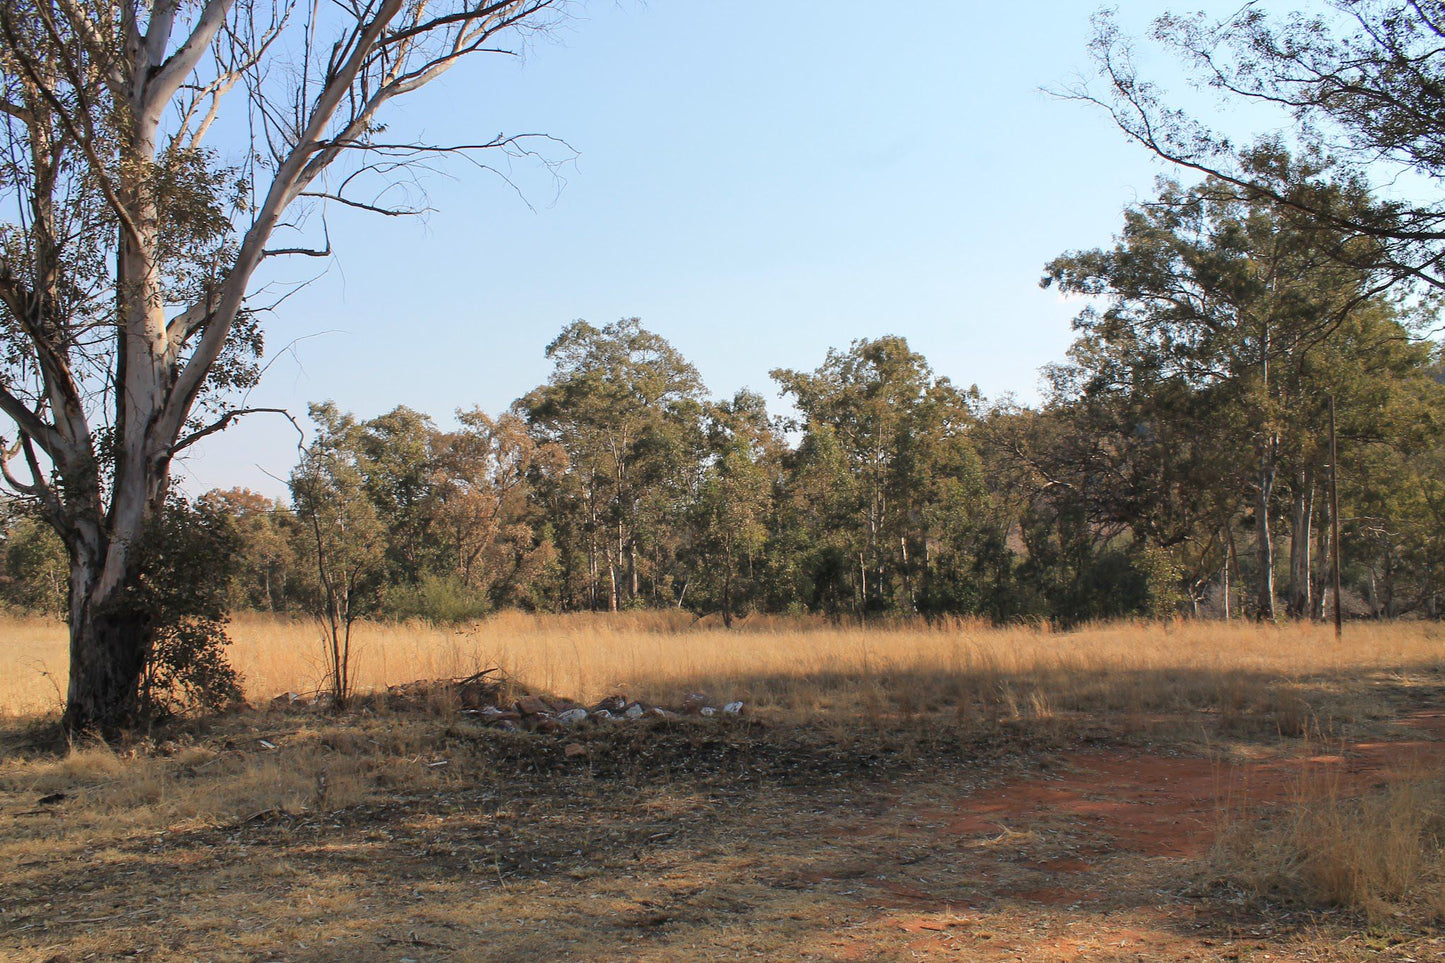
{"x":1211,"y":290}
{"x":129,"y":250}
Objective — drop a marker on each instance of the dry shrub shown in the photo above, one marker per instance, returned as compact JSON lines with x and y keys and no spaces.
{"x":1373,"y":853}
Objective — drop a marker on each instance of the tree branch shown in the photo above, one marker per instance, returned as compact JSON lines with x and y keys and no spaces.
{"x":222,"y":423}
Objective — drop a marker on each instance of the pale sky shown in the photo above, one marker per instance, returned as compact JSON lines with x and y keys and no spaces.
{"x":757,"y":191}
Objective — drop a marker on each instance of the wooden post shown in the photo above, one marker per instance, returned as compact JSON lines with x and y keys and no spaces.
{"x":1335,"y":518}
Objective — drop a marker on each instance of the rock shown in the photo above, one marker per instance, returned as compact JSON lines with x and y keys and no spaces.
{"x":572,"y":717}
{"x":694,"y":702}
{"x":660,"y":712}
{"x":545,"y":724}
{"x":707,"y":711}
{"x":634,"y":711}
{"x":603,"y":714}
{"x":733,"y":708}
{"x":532,"y":706}
{"x":288,"y":699}
{"x":507,"y":725}
{"x":613,"y":703}
{"x":574,"y":750}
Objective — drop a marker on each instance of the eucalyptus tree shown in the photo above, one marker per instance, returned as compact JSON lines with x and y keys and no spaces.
{"x":895,"y":425}
{"x":626,"y":408}
{"x":1212,"y":293}
{"x":152,"y":153}
{"x":343,"y":542}
{"x":485,"y":518}
{"x":735,"y":496}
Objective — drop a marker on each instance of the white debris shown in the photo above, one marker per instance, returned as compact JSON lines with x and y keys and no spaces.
{"x":707,"y":711}
{"x":733,"y":708}
{"x":572,"y":717}
{"x":633,"y":711}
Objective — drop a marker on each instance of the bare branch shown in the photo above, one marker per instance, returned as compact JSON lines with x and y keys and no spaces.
{"x":222,"y":423}
{"x":363,"y":206}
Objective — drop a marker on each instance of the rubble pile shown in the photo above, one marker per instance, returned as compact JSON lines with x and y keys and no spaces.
{"x":488,"y":701}
{"x":535,"y":714}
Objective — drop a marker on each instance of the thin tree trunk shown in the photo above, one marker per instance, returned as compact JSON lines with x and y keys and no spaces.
{"x":863,"y":585}
{"x":1264,"y":545}
{"x":632,"y":579}
{"x":1224,"y":572}
{"x":907,"y":579}
{"x":1299,"y":546}
{"x":1322,"y":573}
{"x":727,"y":599}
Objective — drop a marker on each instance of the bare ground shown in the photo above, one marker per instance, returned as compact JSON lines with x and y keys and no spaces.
{"x":1050,"y":840}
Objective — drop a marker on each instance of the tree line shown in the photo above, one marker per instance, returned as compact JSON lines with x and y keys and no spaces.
{"x":1177,"y":464}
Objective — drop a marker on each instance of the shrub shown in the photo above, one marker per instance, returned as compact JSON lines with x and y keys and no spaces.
{"x":436,"y":598}
{"x":188,"y":560}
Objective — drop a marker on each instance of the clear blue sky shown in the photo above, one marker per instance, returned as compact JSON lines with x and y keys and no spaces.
{"x":756,"y":191}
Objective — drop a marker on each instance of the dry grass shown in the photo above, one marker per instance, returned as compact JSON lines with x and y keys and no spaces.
{"x":1381,"y":853}
{"x":822,"y":826}
{"x":810,"y":667}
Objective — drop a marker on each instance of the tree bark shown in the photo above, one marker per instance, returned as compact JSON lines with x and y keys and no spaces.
{"x":110,"y":639}
{"x":1264,"y":546}
{"x":727,"y":598}
{"x":1321,"y":577}
{"x":1299,"y":546}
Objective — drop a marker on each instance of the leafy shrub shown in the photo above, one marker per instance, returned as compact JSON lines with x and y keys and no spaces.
{"x":188,"y":560}
{"x":34,"y":570}
{"x":436,"y":598}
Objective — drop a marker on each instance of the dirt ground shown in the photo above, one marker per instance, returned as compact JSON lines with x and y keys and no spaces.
{"x":702,"y":840}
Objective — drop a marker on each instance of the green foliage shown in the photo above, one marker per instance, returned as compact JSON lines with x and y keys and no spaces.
{"x":36,"y":571}
{"x":885,"y":475}
{"x":267,"y":558}
{"x":625,"y":409}
{"x":436,"y":598}
{"x":1198,"y":390}
{"x":188,"y":559}
{"x":1132,"y":492}
{"x":1359,"y":81}
{"x":344,"y":548}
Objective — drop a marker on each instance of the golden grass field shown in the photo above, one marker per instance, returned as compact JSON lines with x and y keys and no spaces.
{"x":795,"y":665}
{"x":1131,"y":791}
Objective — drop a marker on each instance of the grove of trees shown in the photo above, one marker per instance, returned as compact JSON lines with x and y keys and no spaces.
{"x":1176,"y":467}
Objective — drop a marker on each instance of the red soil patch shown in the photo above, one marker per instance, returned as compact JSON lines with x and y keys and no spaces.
{"x":1170,"y":806}
{"x":1078,"y":864}
{"x":1154,"y":805}
{"x":1114,"y":803}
